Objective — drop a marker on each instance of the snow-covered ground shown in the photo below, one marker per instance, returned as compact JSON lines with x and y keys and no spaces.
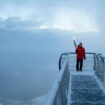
{"x":91,"y":73}
{"x":86,"y":88}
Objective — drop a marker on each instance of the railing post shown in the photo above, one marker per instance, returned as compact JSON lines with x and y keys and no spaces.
{"x":94,"y":68}
{"x":100,"y":68}
{"x":60,"y":62}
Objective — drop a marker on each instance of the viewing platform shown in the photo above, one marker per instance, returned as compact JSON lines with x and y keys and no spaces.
{"x":73,"y":87}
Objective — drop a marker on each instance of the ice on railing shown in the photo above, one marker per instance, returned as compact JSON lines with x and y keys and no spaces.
{"x":100,"y":68}
{"x":59,"y":93}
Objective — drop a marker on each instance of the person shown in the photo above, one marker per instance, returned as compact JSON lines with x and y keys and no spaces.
{"x":80,"y":51}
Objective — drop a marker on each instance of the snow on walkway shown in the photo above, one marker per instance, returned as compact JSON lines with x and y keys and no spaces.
{"x":86,"y":89}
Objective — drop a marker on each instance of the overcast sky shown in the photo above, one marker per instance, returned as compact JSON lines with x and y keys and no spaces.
{"x":73,"y":15}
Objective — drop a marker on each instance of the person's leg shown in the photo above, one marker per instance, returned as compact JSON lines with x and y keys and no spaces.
{"x":81,"y":64}
{"x":77,"y":65}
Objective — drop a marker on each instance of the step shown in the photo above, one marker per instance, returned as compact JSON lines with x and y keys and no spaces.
{"x":87,"y":103}
{"x":86,"y":91}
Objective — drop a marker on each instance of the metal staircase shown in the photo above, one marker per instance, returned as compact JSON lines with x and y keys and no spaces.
{"x":85,"y":90}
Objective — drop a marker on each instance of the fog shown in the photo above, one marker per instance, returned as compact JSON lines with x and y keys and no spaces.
{"x":34,"y":33}
{"x":29,"y":60}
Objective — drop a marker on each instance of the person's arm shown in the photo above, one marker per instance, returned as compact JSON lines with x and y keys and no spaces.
{"x":75,"y":45}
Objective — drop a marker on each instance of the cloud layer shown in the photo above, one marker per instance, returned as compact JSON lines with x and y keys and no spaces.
{"x":34,"y":14}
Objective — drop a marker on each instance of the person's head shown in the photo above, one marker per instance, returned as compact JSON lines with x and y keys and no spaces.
{"x":80,"y":44}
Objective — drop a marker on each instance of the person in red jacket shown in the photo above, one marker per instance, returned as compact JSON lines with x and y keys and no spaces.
{"x":80,"y":51}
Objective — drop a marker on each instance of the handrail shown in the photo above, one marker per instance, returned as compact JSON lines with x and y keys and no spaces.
{"x":58,"y":93}
{"x":70,"y":53}
{"x":75,"y":53}
{"x":100,"y":67}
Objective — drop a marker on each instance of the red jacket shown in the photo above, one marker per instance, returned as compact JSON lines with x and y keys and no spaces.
{"x":80,"y":53}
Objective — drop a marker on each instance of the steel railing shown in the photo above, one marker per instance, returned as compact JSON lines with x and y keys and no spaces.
{"x":100,"y":67}
{"x":93,"y":62}
{"x":59,"y":92}
{"x":89,"y":63}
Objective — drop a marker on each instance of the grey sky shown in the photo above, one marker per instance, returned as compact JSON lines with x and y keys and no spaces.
{"x":73,"y":15}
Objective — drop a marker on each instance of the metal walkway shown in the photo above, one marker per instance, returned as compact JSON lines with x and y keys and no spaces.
{"x":79,"y":88}
{"x":85,"y":90}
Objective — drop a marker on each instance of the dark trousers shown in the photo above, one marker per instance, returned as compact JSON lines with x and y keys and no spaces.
{"x":79,"y":64}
